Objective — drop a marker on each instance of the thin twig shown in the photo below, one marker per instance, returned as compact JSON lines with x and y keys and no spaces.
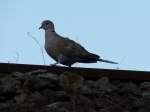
{"x":30,"y":35}
{"x":16,"y":57}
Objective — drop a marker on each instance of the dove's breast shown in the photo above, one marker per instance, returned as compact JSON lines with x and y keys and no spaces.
{"x":52,"y":49}
{"x":52,"y":45}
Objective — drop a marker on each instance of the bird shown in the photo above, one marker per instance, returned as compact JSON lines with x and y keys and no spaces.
{"x":66,"y":51}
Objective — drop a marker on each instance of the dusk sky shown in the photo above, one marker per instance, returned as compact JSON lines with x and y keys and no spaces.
{"x":117,"y":30}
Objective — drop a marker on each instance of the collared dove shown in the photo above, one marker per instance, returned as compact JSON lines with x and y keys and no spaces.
{"x":64,"y":50}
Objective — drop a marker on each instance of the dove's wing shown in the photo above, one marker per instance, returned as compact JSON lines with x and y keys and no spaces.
{"x":74,"y":50}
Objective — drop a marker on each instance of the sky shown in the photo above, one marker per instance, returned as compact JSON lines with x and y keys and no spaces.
{"x":117,"y":30}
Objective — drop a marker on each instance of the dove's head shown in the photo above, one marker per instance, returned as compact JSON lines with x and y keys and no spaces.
{"x":47,"y":24}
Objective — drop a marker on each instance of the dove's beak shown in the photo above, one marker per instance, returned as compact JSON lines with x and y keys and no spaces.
{"x":40,"y":27}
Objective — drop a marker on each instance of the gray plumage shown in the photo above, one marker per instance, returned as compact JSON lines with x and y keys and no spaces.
{"x":64,"y":50}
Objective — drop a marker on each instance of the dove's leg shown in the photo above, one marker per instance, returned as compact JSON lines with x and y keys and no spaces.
{"x":58,"y":61}
{"x":69,"y":66}
{"x":54,"y":64}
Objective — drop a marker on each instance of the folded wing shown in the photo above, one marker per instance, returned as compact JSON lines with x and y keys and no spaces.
{"x":75,"y":51}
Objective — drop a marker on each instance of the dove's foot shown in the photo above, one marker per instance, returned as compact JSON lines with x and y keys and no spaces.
{"x":55,"y":64}
{"x":69,"y":66}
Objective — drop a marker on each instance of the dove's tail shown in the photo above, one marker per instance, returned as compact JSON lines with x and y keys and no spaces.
{"x":93,"y":58}
{"x":107,"y":61}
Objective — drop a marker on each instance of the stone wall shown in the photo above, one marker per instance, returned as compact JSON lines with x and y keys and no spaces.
{"x":68,"y":92}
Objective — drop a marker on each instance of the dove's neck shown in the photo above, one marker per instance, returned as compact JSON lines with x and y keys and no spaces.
{"x":50,"y":36}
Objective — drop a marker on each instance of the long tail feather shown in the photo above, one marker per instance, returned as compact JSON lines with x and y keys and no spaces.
{"x":107,"y":61}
